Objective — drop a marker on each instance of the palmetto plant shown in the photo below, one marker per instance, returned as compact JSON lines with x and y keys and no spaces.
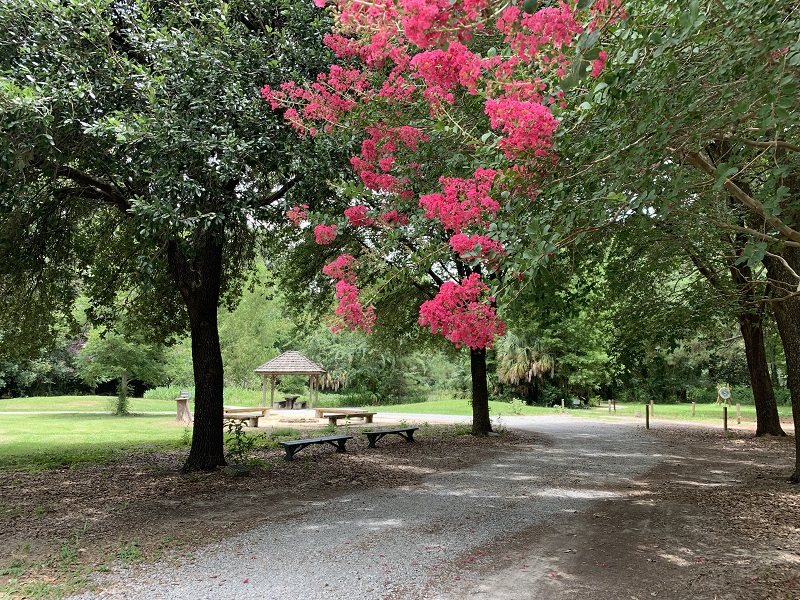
{"x":522,"y":360}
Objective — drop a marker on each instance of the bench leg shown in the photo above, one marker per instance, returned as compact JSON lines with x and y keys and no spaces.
{"x":332,"y":420}
{"x":409,"y":435}
{"x":373,"y":438}
{"x":368,"y":418}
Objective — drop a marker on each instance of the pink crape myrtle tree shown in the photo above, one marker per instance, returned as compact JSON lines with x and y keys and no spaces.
{"x":457,"y":105}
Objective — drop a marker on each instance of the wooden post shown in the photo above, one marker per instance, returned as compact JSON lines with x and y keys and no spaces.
{"x":562,"y":405}
{"x":725,"y":418}
{"x":615,"y":405}
{"x":647,"y":416}
{"x":652,"y":407}
{"x":263,"y":390}
{"x":272,"y":391}
{"x":609,"y":405}
{"x":184,"y":414}
{"x":738,"y":414}
{"x":693,"y":406}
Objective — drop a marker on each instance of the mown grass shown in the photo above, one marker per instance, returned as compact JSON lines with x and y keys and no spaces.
{"x":83,"y":404}
{"x":683,"y":412}
{"x":460,"y":406}
{"x":50,"y":440}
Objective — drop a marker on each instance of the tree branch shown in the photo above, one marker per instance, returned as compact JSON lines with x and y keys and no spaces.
{"x":750,"y":202}
{"x":773,"y":143}
{"x":93,"y":188}
{"x":279,"y":193}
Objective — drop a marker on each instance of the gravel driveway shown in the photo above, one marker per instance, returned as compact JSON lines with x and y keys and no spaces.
{"x":436,"y":539}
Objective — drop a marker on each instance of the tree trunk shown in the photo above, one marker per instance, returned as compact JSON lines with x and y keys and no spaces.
{"x":481,"y":424}
{"x":787,"y":316}
{"x":751,"y":325}
{"x":199,"y":281}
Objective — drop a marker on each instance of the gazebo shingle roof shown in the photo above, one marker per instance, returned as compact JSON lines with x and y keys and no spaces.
{"x":290,"y":363}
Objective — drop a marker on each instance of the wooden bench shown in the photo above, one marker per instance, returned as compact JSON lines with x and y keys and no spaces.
{"x":333,"y":418}
{"x":251,"y":414}
{"x":292,"y":447}
{"x":404,"y":432}
{"x":321,"y":412}
{"x":334,"y":414}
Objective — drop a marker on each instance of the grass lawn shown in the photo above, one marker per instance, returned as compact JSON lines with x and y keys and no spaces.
{"x":30,"y":441}
{"x":460,"y":406}
{"x":683,"y":412}
{"x":83,"y":404}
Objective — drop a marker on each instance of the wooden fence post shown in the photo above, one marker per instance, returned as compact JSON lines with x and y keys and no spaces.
{"x":647,"y":416}
{"x":738,"y":414}
{"x":725,"y":418}
{"x":693,"y":406}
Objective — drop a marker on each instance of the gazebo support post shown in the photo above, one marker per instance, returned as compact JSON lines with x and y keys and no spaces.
{"x":272,"y":391}
{"x":263,"y":391}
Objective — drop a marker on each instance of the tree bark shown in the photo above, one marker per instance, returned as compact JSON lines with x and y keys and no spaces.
{"x":787,"y":316}
{"x":751,"y":325}
{"x":481,"y":424}
{"x":199,"y":281}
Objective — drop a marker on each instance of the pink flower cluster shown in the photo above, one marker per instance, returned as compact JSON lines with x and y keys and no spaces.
{"x":463,"y":314}
{"x":352,"y":313}
{"x":529,"y":126}
{"x":325,"y":234}
{"x":464,"y":201}
{"x":326,"y":100}
{"x":358,"y":216}
{"x":447,"y":68}
{"x":297,"y":214}
{"x":477,"y":246}
{"x":378,"y":155}
{"x":599,"y":63}
{"x":342,"y":269}
{"x":548,"y":28}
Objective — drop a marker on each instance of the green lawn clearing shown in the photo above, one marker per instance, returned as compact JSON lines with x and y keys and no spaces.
{"x":48,"y":440}
{"x":83,"y":404}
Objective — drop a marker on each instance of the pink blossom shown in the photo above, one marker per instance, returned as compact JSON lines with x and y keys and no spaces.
{"x":325,"y":234}
{"x":529,"y":126}
{"x":476,"y":246}
{"x":358,"y":216}
{"x":599,"y":63}
{"x":351,"y":312}
{"x":297,"y":214}
{"x":464,"y":201}
{"x":342,"y":269}
{"x":463,"y":314}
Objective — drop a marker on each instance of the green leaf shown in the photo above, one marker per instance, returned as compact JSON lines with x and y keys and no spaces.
{"x":530,"y":6}
{"x":584,"y":4}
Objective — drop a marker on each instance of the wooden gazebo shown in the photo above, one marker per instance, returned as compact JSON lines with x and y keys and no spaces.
{"x":289,"y":363}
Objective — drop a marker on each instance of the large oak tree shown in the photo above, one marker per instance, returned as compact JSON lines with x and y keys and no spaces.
{"x":137,"y":157}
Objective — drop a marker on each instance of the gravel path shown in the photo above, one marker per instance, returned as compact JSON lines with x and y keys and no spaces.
{"x":423,"y":541}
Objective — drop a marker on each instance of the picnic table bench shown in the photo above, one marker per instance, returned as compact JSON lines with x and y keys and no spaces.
{"x":292,"y":447}
{"x":404,"y":432}
{"x":334,"y":414}
{"x":251,"y":414}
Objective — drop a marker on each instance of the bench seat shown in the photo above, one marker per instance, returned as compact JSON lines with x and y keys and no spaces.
{"x":251,"y":414}
{"x":404,"y":432}
{"x":334,"y":417}
{"x":292,"y":447}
